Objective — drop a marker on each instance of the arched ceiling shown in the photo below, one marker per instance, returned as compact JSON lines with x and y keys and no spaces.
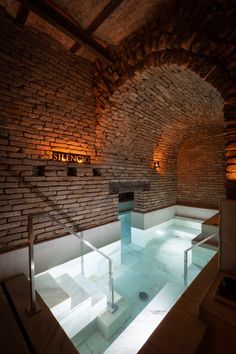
{"x":108,"y":21}
{"x":155,"y":111}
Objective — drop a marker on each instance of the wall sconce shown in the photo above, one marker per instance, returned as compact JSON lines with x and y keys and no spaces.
{"x":156,"y":165}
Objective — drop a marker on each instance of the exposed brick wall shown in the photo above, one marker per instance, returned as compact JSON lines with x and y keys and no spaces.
{"x":199,"y":36}
{"x":150,"y":117}
{"x":46,"y":104}
{"x":201,"y":171}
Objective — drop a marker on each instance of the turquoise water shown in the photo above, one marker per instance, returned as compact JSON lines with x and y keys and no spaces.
{"x":150,"y":260}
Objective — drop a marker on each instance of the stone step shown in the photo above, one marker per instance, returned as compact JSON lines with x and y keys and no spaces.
{"x":80,"y":337}
{"x":78,"y":316}
{"x":74,"y":320}
{"x":185,"y":231}
{"x":96,"y":289}
{"x":98,"y":298}
{"x":187,"y":222}
{"x":109,"y":323}
{"x":53,"y":295}
{"x":77,"y":293}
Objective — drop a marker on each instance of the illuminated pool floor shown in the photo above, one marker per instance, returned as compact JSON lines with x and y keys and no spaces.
{"x":151,"y":262}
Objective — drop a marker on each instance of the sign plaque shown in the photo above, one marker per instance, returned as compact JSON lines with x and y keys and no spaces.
{"x":70,"y":157}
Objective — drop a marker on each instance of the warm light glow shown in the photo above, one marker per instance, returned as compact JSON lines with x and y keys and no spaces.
{"x":156,"y":165}
{"x":70,"y":157}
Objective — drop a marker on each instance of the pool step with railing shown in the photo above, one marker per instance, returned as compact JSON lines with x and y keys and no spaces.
{"x":75,"y":302}
{"x":51,"y":292}
{"x":98,"y":298}
{"x":109,"y":323}
{"x":84,"y":304}
{"x":79,"y":315}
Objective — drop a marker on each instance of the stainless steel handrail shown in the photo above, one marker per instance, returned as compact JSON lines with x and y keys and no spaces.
{"x":33,"y":308}
{"x":186,"y":255}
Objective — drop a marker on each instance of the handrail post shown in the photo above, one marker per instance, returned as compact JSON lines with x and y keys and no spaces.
{"x":111,"y":306}
{"x":33,"y":307}
{"x":186,"y":267}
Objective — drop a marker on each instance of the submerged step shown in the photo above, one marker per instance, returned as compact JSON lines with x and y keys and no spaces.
{"x":109,"y":323}
{"x":79,"y":315}
{"x":74,"y":320}
{"x":80,"y":337}
{"x":98,"y":298}
{"x":54,"y":296}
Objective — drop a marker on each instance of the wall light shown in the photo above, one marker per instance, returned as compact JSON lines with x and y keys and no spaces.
{"x":156,"y":165}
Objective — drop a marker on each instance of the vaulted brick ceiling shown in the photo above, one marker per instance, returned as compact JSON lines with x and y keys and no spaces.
{"x":155,"y":111}
{"x":126,"y":18}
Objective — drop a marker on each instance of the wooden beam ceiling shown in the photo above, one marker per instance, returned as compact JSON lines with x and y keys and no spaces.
{"x":22,"y":15}
{"x":75,"y":31}
{"x":104,"y":14}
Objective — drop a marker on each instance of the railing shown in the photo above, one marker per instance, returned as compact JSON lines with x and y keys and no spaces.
{"x":186,"y":256}
{"x":34,"y":308}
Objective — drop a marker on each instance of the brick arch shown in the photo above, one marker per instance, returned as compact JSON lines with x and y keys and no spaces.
{"x":219,"y":77}
{"x":130,"y":140}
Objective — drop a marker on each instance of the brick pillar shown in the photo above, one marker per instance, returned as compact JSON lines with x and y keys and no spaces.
{"x":228,"y":235}
{"x":230,"y":141}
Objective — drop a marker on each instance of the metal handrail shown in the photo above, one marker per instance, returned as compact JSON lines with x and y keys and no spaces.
{"x":186,"y":255}
{"x":33,"y":308}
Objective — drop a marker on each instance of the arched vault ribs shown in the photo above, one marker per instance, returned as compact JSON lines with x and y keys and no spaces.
{"x":149,"y":118}
{"x":198,"y":38}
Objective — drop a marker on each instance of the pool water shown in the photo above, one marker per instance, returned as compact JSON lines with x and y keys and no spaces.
{"x":152,"y":262}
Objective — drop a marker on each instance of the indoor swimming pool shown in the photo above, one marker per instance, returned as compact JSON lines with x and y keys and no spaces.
{"x":148,"y":280}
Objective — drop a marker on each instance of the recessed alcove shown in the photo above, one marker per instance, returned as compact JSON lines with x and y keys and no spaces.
{"x":71,"y":171}
{"x":38,"y":171}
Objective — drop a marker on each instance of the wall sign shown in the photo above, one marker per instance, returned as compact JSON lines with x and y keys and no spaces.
{"x":69,"y":157}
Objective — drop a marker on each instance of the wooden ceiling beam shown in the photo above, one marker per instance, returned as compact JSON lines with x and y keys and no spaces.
{"x":22,"y":15}
{"x":104,"y":14}
{"x":74,"y":31}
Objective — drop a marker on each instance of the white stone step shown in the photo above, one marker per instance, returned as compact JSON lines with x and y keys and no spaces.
{"x":80,"y":337}
{"x":98,"y":298}
{"x":184,"y":231}
{"x":75,"y":320}
{"x":79,"y":315}
{"x":109,"y":323}
{"x":77,"y":293}
{"x":188,"y":222}
{"x":54,"y":296}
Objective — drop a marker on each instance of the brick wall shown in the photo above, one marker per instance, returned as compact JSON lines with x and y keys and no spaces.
{"x":201,"y":172}
{"x":47,"y":104}
{"x":199,"y":36}
{"x":149,"y":118}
